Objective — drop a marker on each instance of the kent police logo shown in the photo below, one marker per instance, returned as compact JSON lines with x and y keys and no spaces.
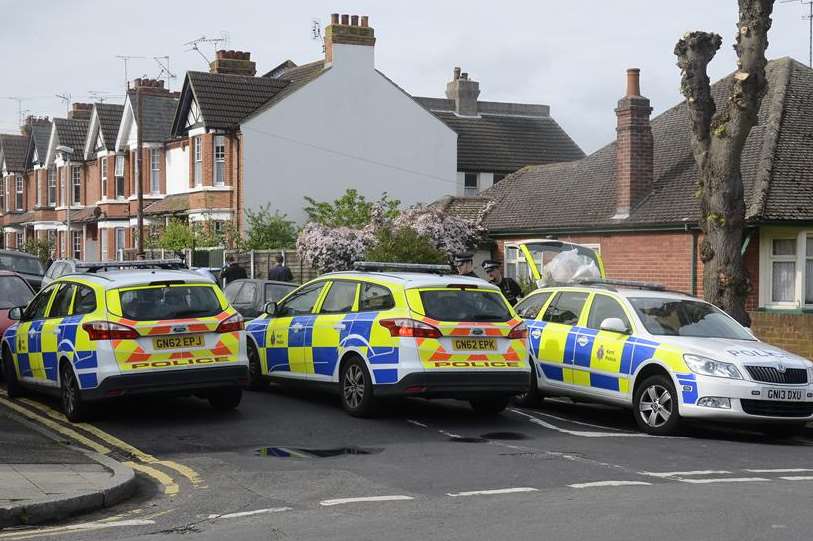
{"x":600,"y":353}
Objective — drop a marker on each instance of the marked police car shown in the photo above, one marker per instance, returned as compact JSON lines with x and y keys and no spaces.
{"x":127,"y":329}
{"x":386,"y":330}
{"x":666,"y":355}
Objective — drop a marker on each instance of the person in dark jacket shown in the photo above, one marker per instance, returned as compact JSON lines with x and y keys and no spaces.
{"x":232,"y":272}
{"x":279,"y":271}
{"x":464,"y":263}
{"x":509,"y":287}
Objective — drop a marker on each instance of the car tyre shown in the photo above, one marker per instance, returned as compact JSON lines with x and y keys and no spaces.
{"x":13,"y":387}
{"x":534,"y":396}
{"x":783,"y":430}
{"x":489,"y":406}
{"x":74,"y":408}
{"x":655,"y":406}
{"x":226,"y":399}
{"x":356,"y":388}
{"x":256,"y":380}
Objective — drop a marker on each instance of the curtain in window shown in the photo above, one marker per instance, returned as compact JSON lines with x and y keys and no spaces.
{"x":809,"y":280}
{"x":784,"y":281}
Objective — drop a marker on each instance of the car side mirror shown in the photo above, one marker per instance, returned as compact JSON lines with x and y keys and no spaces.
{"x":270,"y":308}
{"x":614,"y":324}
{"x":16,"y":313}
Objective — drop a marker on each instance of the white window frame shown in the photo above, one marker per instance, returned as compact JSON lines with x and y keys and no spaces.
{"x":3,"y":199}
{"x":119,"y":175}
{"x":219,"y":158}
{"x":37,"y":189}
{"x":76,"y":244}
{"x":104,"y":244}
{"x":767,"y":259}
{"x":51,"y":186}
{"x":76,"y":185}
{"x":155,"y":170}
{"x":469,"y":191}
{"x":516,"y":261}
{"x":19,"y":192}
{"x":18,"y":239}
{"x":103,"y":176}
{"x":119,"y":246}
{"x":198,"y":161}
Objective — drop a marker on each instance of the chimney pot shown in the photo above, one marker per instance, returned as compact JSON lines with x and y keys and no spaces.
{"x":354,"y":20}
{"x":365,"y":21}
{"x":464,"y":76}
{"x":456,"y":73}
{"x":634,"y":147}
{"x":334,"y":18}
{"x":345,"y":19}
{"x":633,"y":82}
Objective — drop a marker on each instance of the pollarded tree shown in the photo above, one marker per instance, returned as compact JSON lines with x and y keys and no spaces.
{"x":717,"y":140}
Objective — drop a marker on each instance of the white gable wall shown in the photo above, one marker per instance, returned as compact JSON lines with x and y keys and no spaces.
{"x":349,"y":128}
{"x":177,"y":161}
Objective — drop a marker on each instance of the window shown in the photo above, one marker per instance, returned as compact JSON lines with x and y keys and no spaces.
{"x":20,"y":202}
{"x":783,"y":270}
{"x":605,"y":307}
{"x":19,"y":240}
{"x":103,"y":242}
{"x":498,"y":178}
{"x":119,"y":246}
{"x":155,"y":170}
{"x":530,"y":306}
{"x":220,"y":160}
{"x":37,"y":189}
{"x":247,"y":294}
{"x":52,"y":186}
{"x":470,"y":184}
{"x":3,"y":195}
{"x":85,"y":301}
{"x":198,"y":154}
{"x":76,"y":184}
{"x":169,"y":302}
{"x":375,"y":298}
{"x":275,"y":292}
{"x":13,"y":292}
{"x":565,"y":308}
{"x":232,"y":290}
{"x":340,"y":298}
{"x":302,"y":301}
{"x":76,"y":244}
{"x":679,"y":317}
{"x":453,"y":304}
{"x":515,"y":265}
{"x":36,"y":310}
{"x":119,"y":177}
{"x":103,"y":173}
{"x":809,"y":270}
{"x":61,"y":306}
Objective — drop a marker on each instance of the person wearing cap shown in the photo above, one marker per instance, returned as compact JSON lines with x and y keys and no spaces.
{"x":509,"y":287}
{"x":464,"y":263}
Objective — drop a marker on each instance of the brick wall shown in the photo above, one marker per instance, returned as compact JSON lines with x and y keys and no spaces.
{"x":793,"y":332}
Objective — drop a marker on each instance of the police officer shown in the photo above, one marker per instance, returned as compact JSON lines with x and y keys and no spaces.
{"x":232,"y":272}
{"x":464,"y":263}
{"x":509,"y":287}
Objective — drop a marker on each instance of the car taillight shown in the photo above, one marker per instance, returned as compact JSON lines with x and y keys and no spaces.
{"x":234,"y":323}
{"x":410,"y":328}
{"x":107,"y":330}
{"x":520,"y":332}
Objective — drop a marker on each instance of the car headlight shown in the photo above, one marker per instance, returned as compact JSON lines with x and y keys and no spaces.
{"x":709,"y":367}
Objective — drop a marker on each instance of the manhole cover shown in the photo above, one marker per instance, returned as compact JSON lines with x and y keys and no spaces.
{"x":301,"y":452}
{"x":465,"y":439}
{"x":512,"y":436}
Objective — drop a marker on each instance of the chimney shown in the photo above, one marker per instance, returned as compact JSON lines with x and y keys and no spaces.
{"x":233,"y":63}
{"x":634,"y":147}
{"x":463,"y":92}
{"x":150,"y":87}
{"x":80,"y":111}
{"x":347,"y":31}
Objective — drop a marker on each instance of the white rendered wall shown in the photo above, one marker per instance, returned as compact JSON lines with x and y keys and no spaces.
{"x":349,"y":128}
{"x":177,"y":169}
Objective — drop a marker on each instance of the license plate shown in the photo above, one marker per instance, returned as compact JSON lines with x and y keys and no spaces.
{"x":177,"y":342}
{"x":475,"y":344}
{"x":786,"y":395}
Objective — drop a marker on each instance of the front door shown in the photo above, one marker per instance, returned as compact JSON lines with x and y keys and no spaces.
{"x":340,"y":300}
{"x":28,"y":337}
{"x":290,"y":333}
{"x":558,"y":346}
{"x":608,"y":347}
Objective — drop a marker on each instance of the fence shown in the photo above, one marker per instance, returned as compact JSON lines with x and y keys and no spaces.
{"x":258,"y":262}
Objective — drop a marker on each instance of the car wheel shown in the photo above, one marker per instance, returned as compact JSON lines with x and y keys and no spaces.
{"x":489,"y":406}
{"x":782,"y":430}
{"x":356,"y":389}
{"x":226,"y":399}
{"x":656,"y":406}
{"x":256,"y":380}
{"x":74,"y":408}
{"x":13,"y":387}
{"x":534,"y":396}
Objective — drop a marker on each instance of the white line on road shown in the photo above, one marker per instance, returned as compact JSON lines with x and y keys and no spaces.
{"x":610,"y":484}
{"x":417,"y":423}
{"x":685,"y":473}
{"x":581,"y":433}
{"x":493,"y":492}
{"x":724,"y":480}
{"x":798,"y":478}
{"x":84,"y":527}
{"x":450,"y":434}
{"x":582,"y":423}
{"x":781,"y":470}
{"x":340,"y":501}
{"x":250,"y":513}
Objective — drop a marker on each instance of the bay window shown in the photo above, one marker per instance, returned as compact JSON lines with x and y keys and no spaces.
{"x":786,"y":269}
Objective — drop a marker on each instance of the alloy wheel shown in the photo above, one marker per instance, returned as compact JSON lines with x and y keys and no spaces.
{"x":354,"y":386}
{"x":69,"y":393}
{"x":655,"y":406}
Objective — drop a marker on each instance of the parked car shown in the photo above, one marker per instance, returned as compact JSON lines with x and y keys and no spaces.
{"x":250,"y":296}
{"x":60,"y":268}
{"x":14,"y":291}
{"x":26,"y":265}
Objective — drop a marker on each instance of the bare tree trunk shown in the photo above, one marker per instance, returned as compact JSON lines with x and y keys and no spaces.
{"x":717,"y":141}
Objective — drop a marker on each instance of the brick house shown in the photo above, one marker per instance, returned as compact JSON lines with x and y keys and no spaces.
{"x":633,"y":200}
{"x":13,"y":205}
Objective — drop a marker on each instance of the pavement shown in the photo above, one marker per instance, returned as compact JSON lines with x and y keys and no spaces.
{"x":43,"y":478}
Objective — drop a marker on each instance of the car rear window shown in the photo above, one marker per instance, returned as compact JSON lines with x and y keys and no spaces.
{"x":169,"y":302}
{"x":465,"y":305}
{"x":275,"y":292}
{"x":14,"y":292}
{"x":26,"y":265}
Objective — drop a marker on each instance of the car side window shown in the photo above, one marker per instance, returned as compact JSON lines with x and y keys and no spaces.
{"x":301,"y":302}
{"x":247,"y":294}
{"x":232,"y":290}
{"x":340,"y":298}
{"x":605,"y":307}
{"x":36,"y":309}
{"x":565,"y":308}
{"x":85,"y":301}
{"x":61,"y":306}
{"x":375,"y":298}
{"x":530,"y":306}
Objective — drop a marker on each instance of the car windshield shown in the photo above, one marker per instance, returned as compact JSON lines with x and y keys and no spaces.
{"x":464,"y":305}
{"x":275,"y":292}
{"x":26,"y":265}
{"x":169,"y":302}
{"x":681,"y":317}
{"x":14,"y":292}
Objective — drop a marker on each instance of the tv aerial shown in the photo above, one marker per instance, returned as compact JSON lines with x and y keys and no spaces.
{"x":195,"y":44}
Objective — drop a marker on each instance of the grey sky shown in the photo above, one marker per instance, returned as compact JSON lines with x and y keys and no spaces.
{"x":568,"y":54}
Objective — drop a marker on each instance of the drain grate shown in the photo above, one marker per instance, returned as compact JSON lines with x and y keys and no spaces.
{"x":301,"y":452}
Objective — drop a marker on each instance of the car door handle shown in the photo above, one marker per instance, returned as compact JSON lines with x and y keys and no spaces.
{"x":339,"y":327}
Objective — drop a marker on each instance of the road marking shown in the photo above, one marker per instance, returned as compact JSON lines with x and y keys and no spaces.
{"x":582,"y":423}
{"x":416,"y":423}
{"x":250,"y":513}
{"x":340,"y":501}
{"x":724,"y":480}
{"x":685,"y":473}
{"x":781,"y":470}
{"x":797,"y":478}
{"x":84,"y":527}
{"x":492,"y":492}
{"x":170,"y":486}
{"x":450,"y":434}
{"x":580,"y":433}
{"x":74,"y":435}
{"x":609,"y":484}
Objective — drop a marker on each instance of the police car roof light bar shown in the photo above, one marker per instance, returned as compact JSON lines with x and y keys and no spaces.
{"x":378,"y":266}
{"x":652,"y":286}
{"x":166,"y":264}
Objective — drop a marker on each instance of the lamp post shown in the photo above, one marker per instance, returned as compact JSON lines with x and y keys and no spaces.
{"x":67,"y":152}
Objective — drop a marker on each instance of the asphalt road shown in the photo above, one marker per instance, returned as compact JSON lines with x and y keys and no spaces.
{"x":435,"y":470}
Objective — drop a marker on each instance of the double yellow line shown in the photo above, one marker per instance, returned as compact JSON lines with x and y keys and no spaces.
{"x":141,"y":461}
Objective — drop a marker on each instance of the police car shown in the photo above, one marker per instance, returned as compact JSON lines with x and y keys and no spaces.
{"x":666,"y":355}
{"x":386,"y":330}
{"x":127,"y":329}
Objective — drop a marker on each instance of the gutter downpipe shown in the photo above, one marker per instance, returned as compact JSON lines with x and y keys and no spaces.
{"x":695,"y":238}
